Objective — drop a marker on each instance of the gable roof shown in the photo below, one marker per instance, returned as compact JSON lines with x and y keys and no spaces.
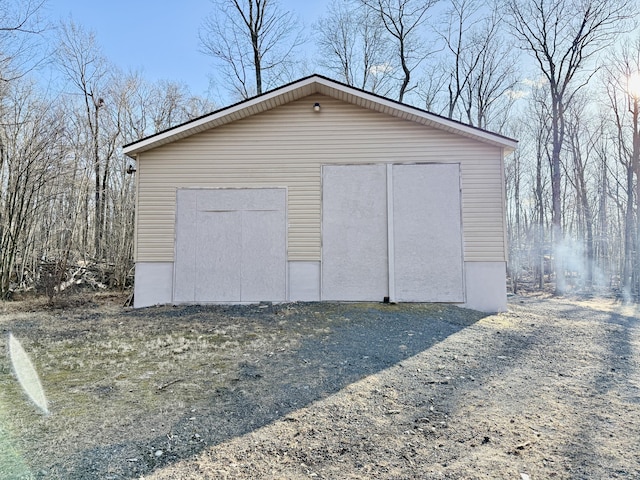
{"x":309,"y":86}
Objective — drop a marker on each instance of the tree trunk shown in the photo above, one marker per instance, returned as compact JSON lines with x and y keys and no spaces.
{"x":628,"y":237}
{"x":636,"y":167}
{"x":257,"y":62}
{"x":540,"y":233}
{"x":602,"y":253}
{"x":407,"y":72}
{"x":589,"y":242}
{"x":556,"y":193}
{"x":517,"y":265}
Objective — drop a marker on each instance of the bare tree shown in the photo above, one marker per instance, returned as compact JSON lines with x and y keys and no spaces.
{"x":353,"y":46}
{"x":461,"y":17}
{"x":605,"y":243}
{"x":21,"y":26}
{"x":563,"y":36}
{"x":516,"y":224}
{"x":624,"y":108}
{"x":430,"y":86}
{"x":541,"y":135}
{"x":254,"y":42}
{"x":29,"y":134}
{"x":403,"y":20}
{"x":487,"y":97}
{"x":83,"y":65}
{"x":582,"y":139}
{"x":171,"y":103}
{"x":479,"y":64}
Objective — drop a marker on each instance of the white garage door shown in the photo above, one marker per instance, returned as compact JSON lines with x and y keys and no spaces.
{"x":392,"y":231}
{"x":428,"y":255}
{"x":230,"y":245}
{"x":354,"y":232}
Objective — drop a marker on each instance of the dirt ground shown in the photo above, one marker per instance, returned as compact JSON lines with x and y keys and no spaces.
{"x":548,"y":390}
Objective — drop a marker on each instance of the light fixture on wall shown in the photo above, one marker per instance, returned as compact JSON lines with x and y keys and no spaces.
{"x":316,"y":107}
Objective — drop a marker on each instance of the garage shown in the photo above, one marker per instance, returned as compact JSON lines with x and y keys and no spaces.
{"x":319,"y":191}
{"x":230,"y":245}
{"x":392,"y":231}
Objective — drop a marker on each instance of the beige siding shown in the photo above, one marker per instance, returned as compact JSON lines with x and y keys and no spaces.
{"x":287,"y":146}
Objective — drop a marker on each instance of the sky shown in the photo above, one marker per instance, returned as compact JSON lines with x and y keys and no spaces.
{"x":159,"y":39}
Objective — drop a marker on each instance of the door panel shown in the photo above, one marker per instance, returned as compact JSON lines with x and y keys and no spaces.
{"x":263,"y":261}
{"x":427,"y":233}
{"x":185,"y":252}
{"x":354,"y":232}
{"x":218,"y":252}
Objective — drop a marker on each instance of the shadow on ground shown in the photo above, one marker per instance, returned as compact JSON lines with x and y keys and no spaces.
{"x":363,"y":339}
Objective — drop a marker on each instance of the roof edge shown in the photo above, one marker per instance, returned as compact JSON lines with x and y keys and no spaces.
{"x":445,"y":121}
{"x":203,"y":119}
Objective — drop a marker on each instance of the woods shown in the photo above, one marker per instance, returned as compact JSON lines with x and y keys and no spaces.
{"x":561,"y":76}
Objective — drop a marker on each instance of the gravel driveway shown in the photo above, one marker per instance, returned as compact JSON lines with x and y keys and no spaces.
{"x":550,"y":389}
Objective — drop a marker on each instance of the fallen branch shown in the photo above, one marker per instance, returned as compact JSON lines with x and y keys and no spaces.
{"x":162,"y":387}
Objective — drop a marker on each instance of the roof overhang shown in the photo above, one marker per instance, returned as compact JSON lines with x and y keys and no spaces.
{"x":315,"y":84}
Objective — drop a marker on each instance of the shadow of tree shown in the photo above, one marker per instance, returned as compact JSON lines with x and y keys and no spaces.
{"x":363,"y":339}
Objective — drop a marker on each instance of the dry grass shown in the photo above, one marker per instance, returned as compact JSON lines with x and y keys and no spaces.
{"x":324,"y":391}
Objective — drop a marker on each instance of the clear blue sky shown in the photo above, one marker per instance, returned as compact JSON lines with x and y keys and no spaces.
{"x":160,"y":39}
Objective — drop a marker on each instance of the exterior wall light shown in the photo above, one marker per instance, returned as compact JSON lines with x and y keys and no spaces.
{"x":316,"y":107}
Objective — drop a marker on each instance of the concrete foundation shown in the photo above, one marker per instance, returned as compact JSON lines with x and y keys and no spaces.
{"x":154,"y":284}
{"x":486,"y":286}
{"x":485,"y":282}
{"x":304,"y":281}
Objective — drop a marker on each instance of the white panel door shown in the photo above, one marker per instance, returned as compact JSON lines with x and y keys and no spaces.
{"x":185,"y":259}
{"x":263,"y":274}
{"x":218,"y":251}
{"x":230,"y":245}
{"x":428,"y":254}
{"x":418,"y":257}
{"x":354,"y":233}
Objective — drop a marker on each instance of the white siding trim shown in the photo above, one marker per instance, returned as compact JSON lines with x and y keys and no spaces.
{"x":391,"y":235}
